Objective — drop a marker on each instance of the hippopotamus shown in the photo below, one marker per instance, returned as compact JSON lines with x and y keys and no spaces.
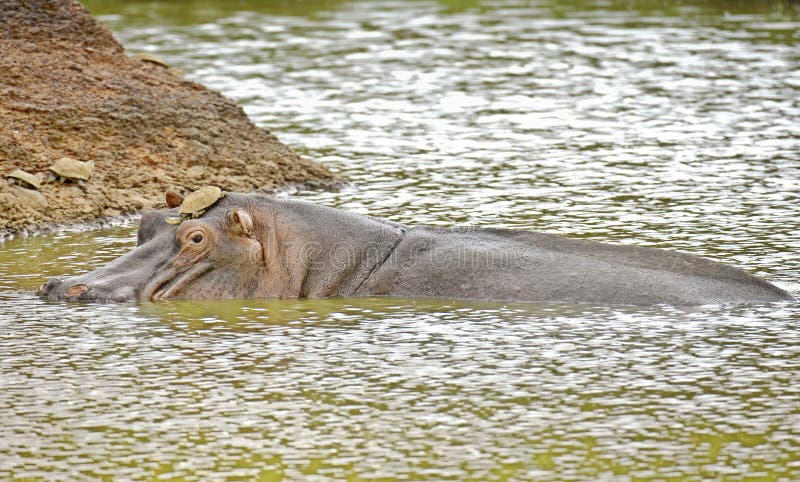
{"x":259,"y":246}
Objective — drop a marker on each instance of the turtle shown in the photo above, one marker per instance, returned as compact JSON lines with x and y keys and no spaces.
{"x":153,"y":59}
{"x":68,"y":169}
{"x":25,"y":179}
{"x":195,"y":204}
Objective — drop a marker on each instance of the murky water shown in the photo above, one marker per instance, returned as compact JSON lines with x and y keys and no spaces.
{"x":667,"y":126}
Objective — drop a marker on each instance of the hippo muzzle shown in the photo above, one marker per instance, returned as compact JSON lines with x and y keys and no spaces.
{"x":121,"y":280}
{"x":74,"y":289}
{"x":124,"y":278}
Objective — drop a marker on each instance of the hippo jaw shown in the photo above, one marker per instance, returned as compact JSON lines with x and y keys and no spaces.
{"x":173,"y":281}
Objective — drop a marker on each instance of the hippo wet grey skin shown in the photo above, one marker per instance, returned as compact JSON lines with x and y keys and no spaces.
{"x":256,"y":246}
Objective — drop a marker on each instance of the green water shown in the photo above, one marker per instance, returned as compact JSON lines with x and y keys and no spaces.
{"x":667,"y":124}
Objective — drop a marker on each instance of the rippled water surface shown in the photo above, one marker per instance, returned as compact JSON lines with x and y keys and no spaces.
{"x":648,"y":123}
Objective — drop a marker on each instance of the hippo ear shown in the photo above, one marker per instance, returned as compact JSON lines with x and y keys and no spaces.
{"x":239,"y":222}
{"x":173,"y":199}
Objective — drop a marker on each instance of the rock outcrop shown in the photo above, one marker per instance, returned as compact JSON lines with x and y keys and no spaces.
{"x":68,"y":89}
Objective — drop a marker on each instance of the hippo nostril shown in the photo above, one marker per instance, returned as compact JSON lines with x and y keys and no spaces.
{"x":48,"y":286}
{"x":77,"y":290}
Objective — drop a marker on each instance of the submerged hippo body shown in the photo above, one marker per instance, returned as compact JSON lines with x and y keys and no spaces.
{"x":255,"y":246}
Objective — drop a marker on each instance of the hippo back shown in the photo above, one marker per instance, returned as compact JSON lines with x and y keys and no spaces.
{"x":529,"y":266}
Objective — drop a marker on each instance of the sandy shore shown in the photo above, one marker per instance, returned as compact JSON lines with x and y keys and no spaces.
{"x":69,"y":89}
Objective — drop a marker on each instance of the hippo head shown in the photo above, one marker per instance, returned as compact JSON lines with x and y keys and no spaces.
{"x":216,"y":255}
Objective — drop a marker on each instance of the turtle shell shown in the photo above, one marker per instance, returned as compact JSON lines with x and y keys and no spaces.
{"x":200,"y":200}
{"x":153,"y":59}
{"x":73,"y":169}
{"x":26,"y":177}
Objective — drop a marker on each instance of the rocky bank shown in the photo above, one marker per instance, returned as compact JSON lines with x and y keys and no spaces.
{"x":69,"y":89}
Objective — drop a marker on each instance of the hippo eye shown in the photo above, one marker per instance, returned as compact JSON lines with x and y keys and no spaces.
{"x":197,"y":237}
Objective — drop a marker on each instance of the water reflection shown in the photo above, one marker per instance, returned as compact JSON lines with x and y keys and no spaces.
{"x":670,"y":125}
{"x":421,"y":390}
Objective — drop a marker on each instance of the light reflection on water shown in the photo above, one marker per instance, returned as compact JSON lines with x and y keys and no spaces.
{"x":634,"y":126}
{"x":424,"y":389}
